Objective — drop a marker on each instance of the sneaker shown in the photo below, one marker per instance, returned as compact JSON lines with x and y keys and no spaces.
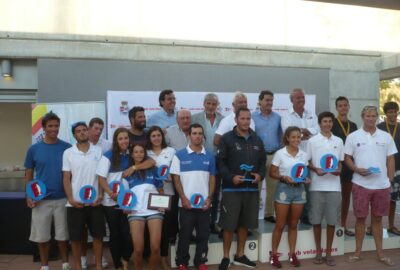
{"x":66,"y":266}
{"x":274,"y":259}
{"x":202,"y":266}
{"x":243,"y":261}
{"x":224,"y":264}
{"x":182,"y":267}
{"x":270,"y":219}
{"x":293,"y":260}
{"x":104,"y":262}
{"x":84,"y":263}
{"x":44,"y":268}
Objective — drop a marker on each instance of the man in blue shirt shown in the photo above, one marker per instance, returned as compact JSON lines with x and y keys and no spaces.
{"x":194,"y":171}
{"x":268,"y":128}
{"x":167,"y":115}
{"x":45,"y":160}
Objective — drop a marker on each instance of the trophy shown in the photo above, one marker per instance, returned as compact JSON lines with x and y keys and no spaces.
{"x":197,"y":200}
{"x":36,"y":190}
{"x":127,"y":200}
{"x":87,"y":194}
{"x":329,"y":163}
{"x":247,"y":170}
{"x":162,"y":172}
{"x":299,"y":172}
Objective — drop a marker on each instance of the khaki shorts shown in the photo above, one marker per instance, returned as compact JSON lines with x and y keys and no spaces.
{"x":325,"y":205}
{"x":42,"y":216}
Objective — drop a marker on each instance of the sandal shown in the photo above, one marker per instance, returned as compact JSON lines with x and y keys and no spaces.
{"x":330,"y":261}
{"x":353,"y":259}
{"x":349,"y":233}
{"x":318,"y":259}
{"x":386,"y":260}
{"x":394,"y":231}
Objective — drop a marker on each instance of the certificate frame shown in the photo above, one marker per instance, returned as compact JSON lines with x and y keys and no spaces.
{"x":159,"y":201}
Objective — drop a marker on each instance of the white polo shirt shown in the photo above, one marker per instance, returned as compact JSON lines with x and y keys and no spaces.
{"x":228,"y":123}
{"x":308,"y":121}
{"x":317,"y":147}
{"x":285,"y":161}
{"x":103,"y":170}
{"x":194,"y":170}
{"x":370,"y":151}
{"x":164,"y":158}
{"x":82,"y":167}
{"x":104,"y":144}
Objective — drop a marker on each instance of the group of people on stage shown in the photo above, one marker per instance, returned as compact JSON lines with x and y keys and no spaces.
{"x":208,"y":155}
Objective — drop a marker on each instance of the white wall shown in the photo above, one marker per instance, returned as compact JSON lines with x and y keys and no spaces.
{"x":273,"y":22}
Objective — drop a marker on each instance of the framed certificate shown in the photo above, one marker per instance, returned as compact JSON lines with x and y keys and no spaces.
{"x":159,"y":201}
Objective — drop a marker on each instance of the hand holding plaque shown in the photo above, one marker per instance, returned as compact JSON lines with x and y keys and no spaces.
{"x":197,"y":201}
{"x":127,"y":200}
{"x":160,"y":202}
{"x":116,"y":187}
{"x":162,"y":172}
{"x":329,"y":163}
{"x":299,"y":172}
{"x":36,"y":190}
{"x":87,"y":194}
{"x":247,"y":176}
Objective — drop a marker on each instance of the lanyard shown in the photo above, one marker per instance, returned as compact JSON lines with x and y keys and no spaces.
{"x":394,"y":130}
{"x":347,"y":130}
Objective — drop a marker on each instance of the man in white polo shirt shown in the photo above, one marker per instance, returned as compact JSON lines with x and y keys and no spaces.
{"x":229,"y":122}
{"x":307,"y":121}
{"x":369,"y":152}
{"x":79,"y":169}
{"x":325,"y":151}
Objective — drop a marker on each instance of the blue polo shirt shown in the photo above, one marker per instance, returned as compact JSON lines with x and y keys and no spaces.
{"x":162,"y":119}
{"x":194,"y":170}
{"x":46,"y":161}
{"x":269,"y":130}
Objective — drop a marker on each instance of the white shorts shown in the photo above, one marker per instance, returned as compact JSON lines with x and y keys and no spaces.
{"x":42,"y":216}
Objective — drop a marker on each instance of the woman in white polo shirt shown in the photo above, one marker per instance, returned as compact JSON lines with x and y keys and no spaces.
{"x":290,"y":196}
{"x":142,"y":183}
{"x":111,"y":167}
{"x":158,"y":150}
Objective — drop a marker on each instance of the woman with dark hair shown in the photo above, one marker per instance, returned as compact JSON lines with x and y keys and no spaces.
{"x":142,"y":183}
{"x":158,"y":150}
{"x":110,"y":168}
{"x":290,"y":196}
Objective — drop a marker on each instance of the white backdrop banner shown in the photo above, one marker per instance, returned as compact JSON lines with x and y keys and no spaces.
{"x":120,"y":102}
